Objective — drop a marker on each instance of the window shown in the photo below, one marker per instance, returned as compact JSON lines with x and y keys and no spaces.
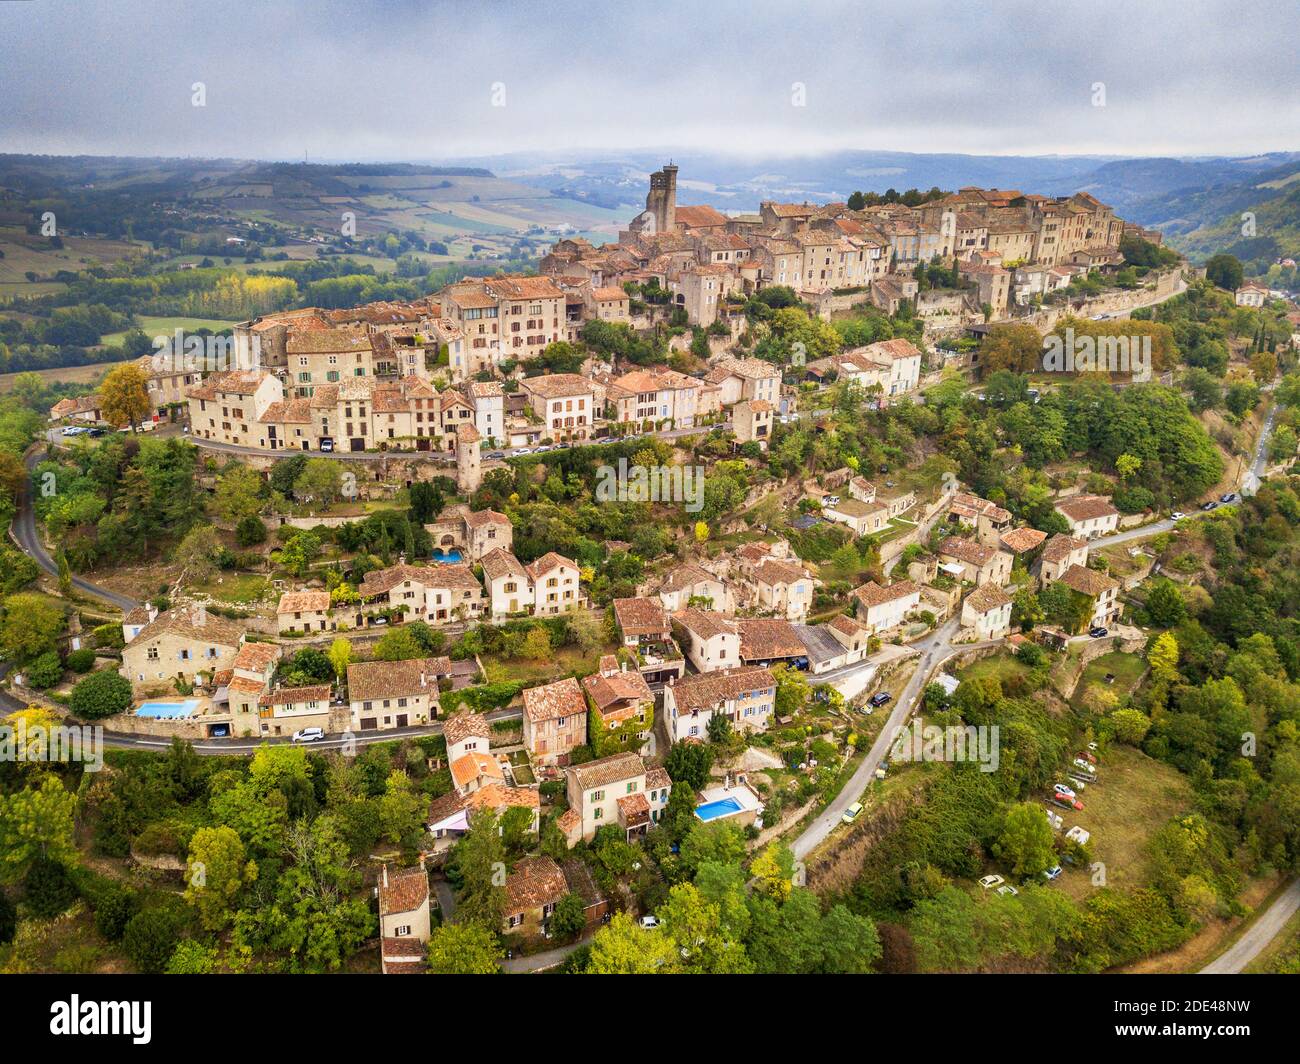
{"x":403,"y":931}
{"x":597,"y":813}
{"x":631,"y":787}
{"x":597,"y":796}
{"x":516,"y":920}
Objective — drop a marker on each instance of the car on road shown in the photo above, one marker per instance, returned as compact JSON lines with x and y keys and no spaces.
{"x":1069,"y":803}
{"x":1061,"y":788}
{"x":1211,"y":505}
{"x":496,"y":454}
{"x":649,"y":921}
{"x":518,"y":451}
{"x":851,"y":813}
{"x":880,"y":698}
{"x":75,"y":430}
{"x":1229,"y":497}
{"x":989,"y":882}
{"x":1098,"y":632}
{"x":1052,"y":873}
{"x":1008,"y":890}
{"x":1177,"y":515}
{"x":326,"y":444}
{"x":309,"y":735}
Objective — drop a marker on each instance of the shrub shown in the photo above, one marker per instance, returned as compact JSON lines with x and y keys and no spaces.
{"x":116,"y":907}
{"x":101,"y":694}
{"x":48,"y":889}
{"x":81,"y":661}
{"x":45,"y":671}
{"x":151,"y":938}
{"x":108,"y":635}
{"x":250,"y":531}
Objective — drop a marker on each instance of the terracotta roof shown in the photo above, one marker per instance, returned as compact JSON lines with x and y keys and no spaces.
{"x":767,"y":637}
{"x":966,"y":550}
{"x":1061,"y":545}
{"x":500,"y":562}
{"x":193,"y":622}
{"x":773,"y":572}
{"x":1087,"y":581}
{"x":466,"y":726}
{"x":304,"y":602}
{"x":695,"y":217}
{"x":685,"y":576}
{"x":480,"y":518}
{"x":623,"y":685}
{"x":368,"y":680}
{"x":657,"y":778}
{"x":967,"y":505}
{"x":472,"y":766}
{"x":873,"y":594}
{"x":607,"y":770}
{"x":987,"y":597}
{"x":548,"y":561}
{"x":535,"y":881}
{"x":402,"y":891}
{"x":640,"y":616}
{"x":707,"y":690}
{"x":634,"y":809}
{"x":287,"y":696}
{"x":1087,"y":507}
{"x":704,"y":624}
{"x":1020,"y":540}
{"x":558,"y":385}
{"x":498,"y":796}
{"x":563,"y":698}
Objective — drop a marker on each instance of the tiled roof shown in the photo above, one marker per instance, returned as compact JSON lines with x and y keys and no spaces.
{"x":767,"y":637}
{"x":402,"y":891}
{"x":256,"y":657}
{"x":498,"y":796}
{"x":500,"y":562}
{"x":287,"y":696}
{"x":563,"y":698}
{"x":1087,"y":507}
{"x":966,"y":550}
{"x":639,"y":616}
{"x":634,"y":809}
{"x":558,"y":385}
{"x":706,"y":690}
{"x":773,"y":572}
{"x":987,"y":597}
{"x":1087,"y":581}
{"x":368,"y":680}
{"x":1020,"y":540}
{"x":193,"y":622}
{"x":1061,"y":545}
{"x":480,"y":518}
{"x":685,"y":576}
{"x":607,"y":770}
{"x":465,"y":726}
{"x":304,"y":602}
{"x":657,"y":778}
{"x":535,"y":881}
{"x":472,"y":766}
{"x":704,"y":624}
{"x":625,"y":685}
{"x":548,"y":561}
{"x":873,"y":594}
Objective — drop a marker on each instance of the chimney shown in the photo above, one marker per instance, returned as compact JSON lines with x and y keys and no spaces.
{"x":423,"y":680}
{"x":385,"y":875}
{"x":152,"y":610}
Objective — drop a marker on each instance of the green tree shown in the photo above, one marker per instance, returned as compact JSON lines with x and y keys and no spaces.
{"x":1026,"y":840}
{"x":150,"y":939}
{"x":36,"y":822}
{"x":464,"y":948}
{"x":101,"y":694}
{"x":570,"y":917}
{"x":31,"y":627}
{"x":340,"y":655}
{"x":623,"y":948}
{"x":215,"y":874}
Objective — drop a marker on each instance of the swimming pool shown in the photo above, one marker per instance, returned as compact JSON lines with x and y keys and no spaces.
{"x":447,"y":557}
{"x":722,"y":807}
{"x":167,"y":710}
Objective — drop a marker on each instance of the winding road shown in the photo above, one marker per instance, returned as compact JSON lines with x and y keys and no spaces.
{"x":1260,"y":933}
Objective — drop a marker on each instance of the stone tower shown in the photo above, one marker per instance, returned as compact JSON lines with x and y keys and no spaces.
{"x":661,"y":200}
{"x":469,"y":460}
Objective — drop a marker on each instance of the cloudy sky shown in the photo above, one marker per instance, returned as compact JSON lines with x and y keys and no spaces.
{"x":418,"y":79}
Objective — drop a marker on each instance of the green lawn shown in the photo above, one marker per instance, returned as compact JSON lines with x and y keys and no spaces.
{"x":562,"y":662}
{"x":1128,"y":670}
{"x":236,"y":588}
{"x":1002,"y":666}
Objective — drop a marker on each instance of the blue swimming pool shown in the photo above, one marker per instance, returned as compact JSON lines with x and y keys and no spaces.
{"x":167,"y":710}
{"x":447,"y":557}
{"x":722,"y":807}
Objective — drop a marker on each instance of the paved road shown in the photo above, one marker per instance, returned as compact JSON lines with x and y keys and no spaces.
{"x":539,"y":961}
{"x":25,"y":535}
{"x":935,"y":650}
{"x":1260,"y":933}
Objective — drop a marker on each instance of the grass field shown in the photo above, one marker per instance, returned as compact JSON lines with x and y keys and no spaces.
{"x":1128,"y":670}
{"x":563,"y":661}
{"x":68,"y":375}
{"x":167,"y":326}
{"x":1134,"y":798}
{"x":1003,"y":667}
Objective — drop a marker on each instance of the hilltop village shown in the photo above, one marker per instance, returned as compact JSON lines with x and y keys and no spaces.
{"x":648,"y":552}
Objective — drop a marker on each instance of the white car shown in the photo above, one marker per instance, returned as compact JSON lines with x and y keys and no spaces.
{"x":1178,"y":515}
{"x":649,"y":921}
{"x":518,"y":451}
{"x":989,"y":882}
{"x":1079,"y":835}
{"x":1083,"y":767}
{"x":1008,"y":889}
{"x":1061,"y":788}
{"x":309,"y":735}
{"x":1052,"y":873}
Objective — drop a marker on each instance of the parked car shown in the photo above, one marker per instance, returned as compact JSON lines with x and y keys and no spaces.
{"x":1099,"y":632}
{"x":1008,"y":889}
{"x":1052,"y":873}
{"x":1061,"y":788}
{"x":989,"y":882}
{"x":518,"y":451}
{"x":1079,"y":835}
{"x":309,"y":735}
{"x":649,"y":921}
{"x":1211,"y":505}
{"x":1229,"y":497}
{"x":1084,"y":767}
{"x":851,"y":813}
{"x":831,"y":500}
{"x":880,"y":698}
{"x":1080,"y":784}
{"x":1069,"y":803}
{"x":1054,"y":819}
{"x":326,"y":444}
{"x":496,"y":454}
{"x":1088,"y":756}
{"x":1178,"y":515}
